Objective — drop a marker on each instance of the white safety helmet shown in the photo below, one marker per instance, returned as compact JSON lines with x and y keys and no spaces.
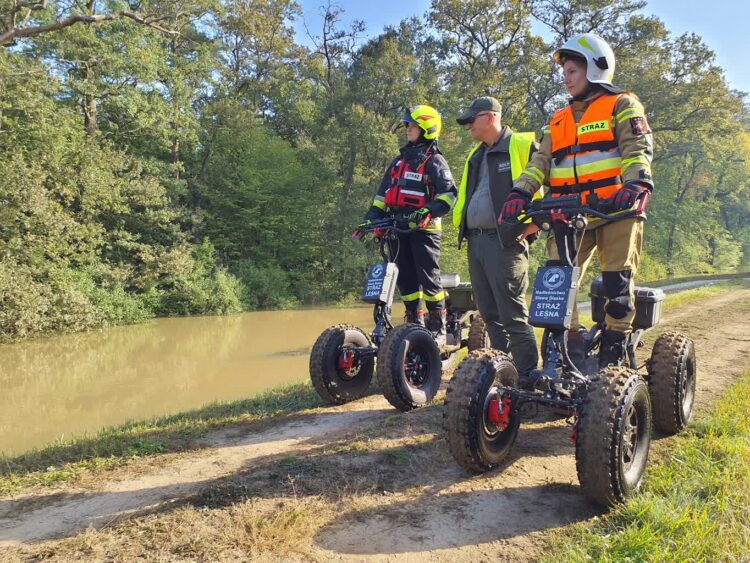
{"x":600,"y":59}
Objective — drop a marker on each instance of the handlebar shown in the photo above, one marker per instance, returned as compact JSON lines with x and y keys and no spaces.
{"x":392,"y":223}
{"x":548,"y":210}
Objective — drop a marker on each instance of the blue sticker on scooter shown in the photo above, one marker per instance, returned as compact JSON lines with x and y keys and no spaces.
{"x":555,"y":291}
{"x":381,"y":283}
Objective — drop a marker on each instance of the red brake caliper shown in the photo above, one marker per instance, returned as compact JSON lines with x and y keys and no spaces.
{"x":346,"y":360}
{"x":499,"y":414}
{"x":574,"y":434}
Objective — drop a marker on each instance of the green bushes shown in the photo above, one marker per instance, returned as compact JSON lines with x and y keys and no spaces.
{"x":89,"y":235}
{"x":204,"y":288}
{"x":265,"y":287}
{"x":124,"y":148}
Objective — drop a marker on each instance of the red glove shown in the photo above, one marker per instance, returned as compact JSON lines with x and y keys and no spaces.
{"x":626,"y":197}
{"x":513,"y":206}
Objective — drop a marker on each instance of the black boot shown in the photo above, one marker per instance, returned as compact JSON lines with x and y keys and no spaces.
{"x":577,"y":349}
{"x":612,"y":348}
{"x":436,"y":325}
{"x":415,"y":316}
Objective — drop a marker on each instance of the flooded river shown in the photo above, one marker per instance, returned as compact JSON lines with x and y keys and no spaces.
{"x":68,"y":386}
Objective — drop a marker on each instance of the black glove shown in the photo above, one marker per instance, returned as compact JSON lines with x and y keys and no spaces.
{"x":359,"y":231}
{"x":515,"y":203}
{"x":626,"y":197}
{"x":421,"y":217}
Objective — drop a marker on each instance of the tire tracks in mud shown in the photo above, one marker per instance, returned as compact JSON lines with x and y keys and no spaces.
{"x":500,"y":514}
{"x":60,"y":514}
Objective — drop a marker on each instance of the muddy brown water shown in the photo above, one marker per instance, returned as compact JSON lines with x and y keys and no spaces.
{"x":68,"y":386}
{"x":73,"y":385}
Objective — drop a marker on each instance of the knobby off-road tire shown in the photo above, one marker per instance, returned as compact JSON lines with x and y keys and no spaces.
{"x":409,"y":367}
{"x":331,"y":382}
{"x":477,"y":444}
{"x":614,"y":434}
{"x":672,"y":378}
{"x":479,"y":338}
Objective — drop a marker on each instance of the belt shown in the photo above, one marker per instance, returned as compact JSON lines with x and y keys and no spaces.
{"x":483,"y":231}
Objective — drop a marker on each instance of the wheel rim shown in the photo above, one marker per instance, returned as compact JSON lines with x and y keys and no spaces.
{"x":416,"y":367}
{"x":491,"y":431}
{"x":489,"y":428}
{"x":630,"y":438}
{"x":687,"y":388}
{"x":348,"y":363}
{"x":634,"y":443}
{"x":494,"y":442}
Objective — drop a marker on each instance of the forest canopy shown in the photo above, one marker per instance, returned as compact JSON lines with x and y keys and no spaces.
{"x":193,"y":157}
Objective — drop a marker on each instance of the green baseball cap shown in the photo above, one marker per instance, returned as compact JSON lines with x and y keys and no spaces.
{"x":485,"y":103}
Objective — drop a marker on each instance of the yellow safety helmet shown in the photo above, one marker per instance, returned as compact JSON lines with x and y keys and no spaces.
{"x":427,"y":118}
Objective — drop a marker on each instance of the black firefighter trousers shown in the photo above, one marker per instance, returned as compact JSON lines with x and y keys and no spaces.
{"x":418,"y":262}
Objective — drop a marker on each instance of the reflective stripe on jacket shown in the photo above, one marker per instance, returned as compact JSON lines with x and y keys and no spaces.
{"x":520,"y":148}
{"x":585,"y":156}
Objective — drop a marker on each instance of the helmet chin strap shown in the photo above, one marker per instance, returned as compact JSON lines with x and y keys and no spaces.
{"x":423,"y":141}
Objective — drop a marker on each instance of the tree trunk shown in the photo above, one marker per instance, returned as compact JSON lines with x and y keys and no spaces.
{"x":175,"y":113}
{"x":89,"y":114}
{"x":176,"y":157}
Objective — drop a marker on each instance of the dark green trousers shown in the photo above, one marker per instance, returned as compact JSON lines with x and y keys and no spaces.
{"x":499,"y":278}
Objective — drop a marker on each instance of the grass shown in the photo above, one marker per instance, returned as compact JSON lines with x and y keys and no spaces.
{"x":700,"y":293}
{"x":271,"y":513}
{"x":695,"y":505}
{"x":240,"y":532}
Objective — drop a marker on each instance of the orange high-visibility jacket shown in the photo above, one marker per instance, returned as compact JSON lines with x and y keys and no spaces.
{"x":585,"y":156}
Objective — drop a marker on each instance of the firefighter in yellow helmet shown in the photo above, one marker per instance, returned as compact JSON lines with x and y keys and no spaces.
{"x":418,"y":182}
{"x":601,"y":144}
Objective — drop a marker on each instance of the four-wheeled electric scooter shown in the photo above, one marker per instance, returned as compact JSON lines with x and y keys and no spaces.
{"x":611,"y":410}
{"x":409,"y":361}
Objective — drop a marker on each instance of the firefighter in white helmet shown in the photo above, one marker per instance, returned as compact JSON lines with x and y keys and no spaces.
{"x":601,"y":144}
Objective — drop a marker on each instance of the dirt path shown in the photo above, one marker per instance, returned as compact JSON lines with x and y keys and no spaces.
{"x":438,"y":513}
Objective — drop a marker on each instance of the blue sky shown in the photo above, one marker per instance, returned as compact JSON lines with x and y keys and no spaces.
{"x":722,"y":24}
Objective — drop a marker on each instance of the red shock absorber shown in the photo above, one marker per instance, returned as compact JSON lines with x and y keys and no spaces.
{"x":346,"y":360}
{"x":574,"y":433}
{"x":558,"y":216}
{"x":499,"y":412}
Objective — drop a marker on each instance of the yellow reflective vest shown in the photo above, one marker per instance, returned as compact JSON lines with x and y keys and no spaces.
{"x":520,"y":147}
